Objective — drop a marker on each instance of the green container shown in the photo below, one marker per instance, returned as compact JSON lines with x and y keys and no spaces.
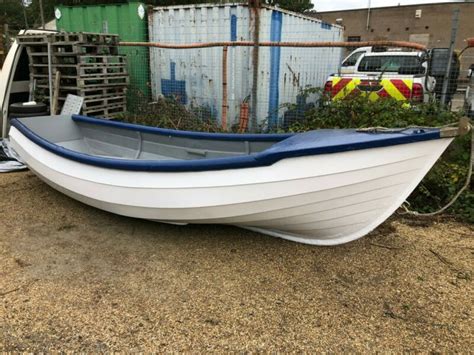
{"x":130,"y":22}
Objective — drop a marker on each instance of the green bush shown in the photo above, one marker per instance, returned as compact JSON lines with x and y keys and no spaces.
{"x":360,"y":112}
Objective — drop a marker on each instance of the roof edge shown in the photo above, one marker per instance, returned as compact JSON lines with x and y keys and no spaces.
{"x":398,"y":6}
{"x":245,"y":4}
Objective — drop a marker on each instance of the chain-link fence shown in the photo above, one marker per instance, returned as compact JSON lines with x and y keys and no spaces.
{"x":212,"y":65}
{"x":236,"y":68}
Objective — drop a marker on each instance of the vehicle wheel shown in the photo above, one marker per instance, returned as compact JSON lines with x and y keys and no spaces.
{"x":20,"y":108}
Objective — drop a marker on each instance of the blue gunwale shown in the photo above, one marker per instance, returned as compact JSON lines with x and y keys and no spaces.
{"x":183,"y":134}
{"x":288,"y":146}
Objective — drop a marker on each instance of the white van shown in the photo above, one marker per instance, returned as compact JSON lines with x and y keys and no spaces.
{"x":349,"y":64}
{"x":15,"y":81}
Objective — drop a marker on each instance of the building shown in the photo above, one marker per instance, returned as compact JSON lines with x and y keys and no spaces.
{"x":428,"y":24}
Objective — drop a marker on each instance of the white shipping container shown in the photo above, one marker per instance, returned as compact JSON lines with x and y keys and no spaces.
{"x":194,"y":76}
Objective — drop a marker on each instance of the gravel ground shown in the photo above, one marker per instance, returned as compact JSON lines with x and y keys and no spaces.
{"x":76,"y":278}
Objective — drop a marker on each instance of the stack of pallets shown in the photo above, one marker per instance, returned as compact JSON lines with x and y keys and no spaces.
{"x":88,"y":65}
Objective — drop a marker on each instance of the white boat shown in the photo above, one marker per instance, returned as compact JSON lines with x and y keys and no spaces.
{"x":322,"y":187}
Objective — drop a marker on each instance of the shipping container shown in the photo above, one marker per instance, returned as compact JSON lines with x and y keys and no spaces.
{"x":129,"y":21}
{"x":194,"y":76}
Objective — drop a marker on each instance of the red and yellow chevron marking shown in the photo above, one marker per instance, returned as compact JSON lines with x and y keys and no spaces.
{"x":342,"y":87}
{"x":399,"y":89}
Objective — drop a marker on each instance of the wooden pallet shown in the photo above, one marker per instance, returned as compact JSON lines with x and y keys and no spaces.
{"x":89,"y":65}
{"x":105,"y":70}
{"x":43,"y":73}
{"x":85,"y":37}
{"x":104,"y":103}
{"x":72,"y":82}
{"x":68,"y":37}
{"x":103,"y":91}
{"x":94,"y":99}
{"x":33,"y":39}
{"x":100,"y":81}
{"x":102,"y":59}
{"x":110,"y":94}
{"x":68,"y":59}
{"x":35,"y":60}
{"x":40,"y":48}
{"x":106,"y":112}
{"x":83,"y":89}
{"x":103,"y":107}
{"x":84,"y":49}
{"x":95,"y":92}
{"x":82,"y":70}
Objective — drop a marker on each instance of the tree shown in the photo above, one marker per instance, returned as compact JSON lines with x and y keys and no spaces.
{"x":292,"y":5}
{"x":11,"y":13}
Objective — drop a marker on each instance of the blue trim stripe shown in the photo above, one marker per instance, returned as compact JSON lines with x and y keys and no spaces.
{"x":325,"y":25}
{"x":184,"y":134}
{"x":298,"y":145}
{"x":173,"y":71}
{"x":173,"y":88}
{"x":233,"y":28}
{"x":275,"y":57}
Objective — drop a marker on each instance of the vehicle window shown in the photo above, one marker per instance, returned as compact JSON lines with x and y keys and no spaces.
{"x":394,"y":63}
{"x":352,"y":60}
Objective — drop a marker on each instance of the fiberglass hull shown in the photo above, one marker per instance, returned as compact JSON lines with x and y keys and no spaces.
{"x":324,"y":199}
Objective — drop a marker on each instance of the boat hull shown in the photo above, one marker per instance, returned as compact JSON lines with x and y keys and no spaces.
{"x":325,"y":199}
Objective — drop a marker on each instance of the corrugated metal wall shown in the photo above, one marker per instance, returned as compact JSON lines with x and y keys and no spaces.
{"x":195,"y":75}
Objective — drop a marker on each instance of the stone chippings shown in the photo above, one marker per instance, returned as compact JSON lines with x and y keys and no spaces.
{"x":73,"y":278}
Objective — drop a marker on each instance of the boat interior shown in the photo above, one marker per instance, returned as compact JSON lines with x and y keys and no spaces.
{"x":125,"y":141}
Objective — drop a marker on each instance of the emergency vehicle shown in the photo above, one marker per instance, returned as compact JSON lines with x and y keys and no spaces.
{"x":402,"y":75}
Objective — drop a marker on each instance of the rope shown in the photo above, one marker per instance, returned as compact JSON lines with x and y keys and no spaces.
{"x":380,"y":129}
{"x":454,"y":199}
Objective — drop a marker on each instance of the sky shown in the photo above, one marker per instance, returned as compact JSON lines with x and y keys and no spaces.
{"x":328,"y":5}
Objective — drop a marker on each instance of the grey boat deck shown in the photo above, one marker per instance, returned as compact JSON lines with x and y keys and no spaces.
{"x":113,"y":142}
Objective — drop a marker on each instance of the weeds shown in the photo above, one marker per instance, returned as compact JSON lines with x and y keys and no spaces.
{"x":169,"y":113}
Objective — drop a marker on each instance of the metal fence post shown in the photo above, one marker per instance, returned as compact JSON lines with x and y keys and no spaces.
{"x":50,"y":77}
{"x":24,"y":14}
{"x":454,"y":30}
{"x":42,"y":14}
{"x":224,"y":88}
{"x":255,"y":8}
